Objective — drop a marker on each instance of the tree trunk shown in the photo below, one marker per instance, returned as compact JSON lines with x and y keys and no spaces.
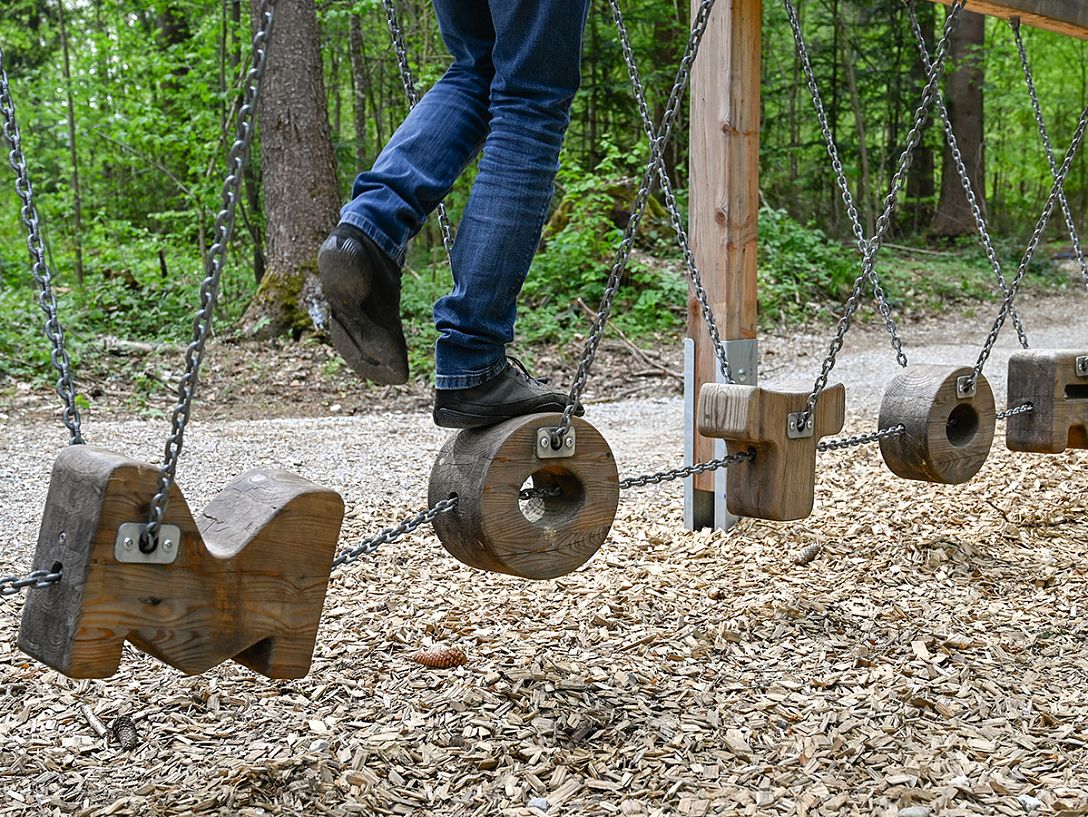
{"x":360,"y":85}
{"x":963,"y":94}
{"x":301,"y":199}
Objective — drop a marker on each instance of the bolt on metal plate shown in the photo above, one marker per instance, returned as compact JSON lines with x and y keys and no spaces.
{"x":796,"y":427}
{"x":1082,"y":366}
{"x":966,"y":386}
{"x":544,"y":449}
{"x":127,"y":547}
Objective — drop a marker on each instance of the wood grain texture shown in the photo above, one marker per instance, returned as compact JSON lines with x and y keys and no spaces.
{"x":249,"y":581}
{"x":780,"y":483}
{"x":1048,"y":380}
{"x":487,"y":468}
{"x":1063,"y":16}
{"x":724,"y":187}
{"x":947,"y":439}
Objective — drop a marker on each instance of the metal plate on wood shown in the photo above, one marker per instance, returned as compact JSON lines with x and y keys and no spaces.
{"x":546,"y":451}
{"x":127,"y":547}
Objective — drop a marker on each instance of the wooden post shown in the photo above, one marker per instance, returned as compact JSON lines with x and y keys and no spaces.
{"x":724,"y":207}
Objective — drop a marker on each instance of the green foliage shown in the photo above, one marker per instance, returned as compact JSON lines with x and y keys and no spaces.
{"x":800,"y":268}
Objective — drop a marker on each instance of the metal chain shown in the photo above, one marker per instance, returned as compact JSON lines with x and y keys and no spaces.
{"x":1044,"y":134}
{"x":209,"y":287}
{"x":396,"y":33}
{"x":1024,"y":409}
{"x":638,"y":209}
{"x":965,"y":178}
{"x":47,"y":301}
{"x":921,"y":115}
{"x":861,"y":439}
{"x":525,"y":494}
{"x":670,"y":197}
{"x":844,"y":186}
{"x":687,"y":471}
{"x":1033,"y":245}
{"x":38,"y":580}
{"x":390,"y":535}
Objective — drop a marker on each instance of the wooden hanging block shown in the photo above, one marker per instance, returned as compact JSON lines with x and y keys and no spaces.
{"x":947,"y":434}
{"x":780,"y":482}
{"x":1055,"y":382}
{"x":248,"y":581}
{"x":491,"y":528}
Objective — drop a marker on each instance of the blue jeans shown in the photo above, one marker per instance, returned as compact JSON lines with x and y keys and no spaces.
{"x":516,"y":67}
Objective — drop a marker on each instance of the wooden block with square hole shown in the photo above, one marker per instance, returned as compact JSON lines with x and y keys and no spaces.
{"x":947,"y":433}
{"x":1055,"y":382}
{"x":780,"y":482}
{"x":247,"y":582}
{"x":492,"y":528}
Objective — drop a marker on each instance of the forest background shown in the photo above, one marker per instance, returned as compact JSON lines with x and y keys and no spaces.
{"x":126,"y":111}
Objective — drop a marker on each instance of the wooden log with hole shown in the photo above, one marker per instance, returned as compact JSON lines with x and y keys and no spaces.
{"x":946,"y":437}
{"x":780,"y":482}
{"x":1055,"y":383}
{"x":248,"y":582}
{"x":491,"y":529}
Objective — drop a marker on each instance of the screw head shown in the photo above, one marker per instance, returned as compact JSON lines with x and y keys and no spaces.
{"x":62,"y":538}
{"x":129,"y":543}
{"x":167,"y":544}
{"x":569,"y":442}
{"x":742,"y":375}
{"x":809,"y":423}
{"x":544,"y":441}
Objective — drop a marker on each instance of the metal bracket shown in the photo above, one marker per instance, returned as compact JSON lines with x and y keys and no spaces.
{"x":966,"y":386}
{"x":544,"y":449}
{"x":127,"y":547}
{"x":797,"y":427}
{"x":1082,"y":366}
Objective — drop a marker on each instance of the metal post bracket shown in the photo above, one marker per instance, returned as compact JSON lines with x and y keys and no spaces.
{"x":127,"y":547}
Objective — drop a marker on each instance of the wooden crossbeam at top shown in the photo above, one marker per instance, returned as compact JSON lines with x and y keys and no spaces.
{"x":1064,"y":16}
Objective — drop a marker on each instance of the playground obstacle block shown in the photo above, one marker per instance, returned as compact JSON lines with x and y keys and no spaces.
{"x":492,"y":528}
{"x":1055,"y":383}
{"x":947,"y":434}
{"x":248,"y":581}
{"x":779,"y":483}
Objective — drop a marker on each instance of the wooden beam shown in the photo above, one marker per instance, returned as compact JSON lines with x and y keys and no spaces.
{"x":1063,"y":16}
{"x":724,"y":187}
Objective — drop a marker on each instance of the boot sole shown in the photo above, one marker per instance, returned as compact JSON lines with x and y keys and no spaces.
{"x":371,"y":351}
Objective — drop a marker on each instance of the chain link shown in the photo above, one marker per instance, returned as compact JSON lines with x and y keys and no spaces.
{"x":1024,"y":409}
{"x":670,"y":197}
{"x":873,"y":245}
{"x":390,"y":535}
{"x":844,"y":186}
{"x":860,"y":439}
{"x":965,"y":177}
{"x":396,"y":33}
{"x":1044,"y":134}
{"x":1033,"y":245}
{"x":687,"y":471}
{"x":38,"y":580}
{"x":47,"y":301}
{"x":638,"y":209}
{"x":209,"y":287}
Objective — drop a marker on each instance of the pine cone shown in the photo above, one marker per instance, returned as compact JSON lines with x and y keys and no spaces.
{"x":441,"y":659}
{"x":124,"y":732}
{"x":808,"y":554}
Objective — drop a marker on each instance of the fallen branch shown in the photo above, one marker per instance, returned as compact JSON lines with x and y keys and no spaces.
{"x":637,"y":352}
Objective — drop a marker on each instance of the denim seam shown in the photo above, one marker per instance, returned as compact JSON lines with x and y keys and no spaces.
{"x":377,"y":236}
{"x":470,"y":380}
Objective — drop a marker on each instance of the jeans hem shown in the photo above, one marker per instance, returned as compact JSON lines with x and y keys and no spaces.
{"x":377,"y":236}
{"x":470,"y":380}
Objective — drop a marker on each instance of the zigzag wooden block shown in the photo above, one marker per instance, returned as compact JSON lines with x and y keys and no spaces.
{"x":248,"y":582}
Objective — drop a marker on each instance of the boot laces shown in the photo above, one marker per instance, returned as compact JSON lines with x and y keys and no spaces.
{"x":521,"y":370}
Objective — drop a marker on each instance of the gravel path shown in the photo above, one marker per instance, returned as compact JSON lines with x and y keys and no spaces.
{"x":931,"y":660}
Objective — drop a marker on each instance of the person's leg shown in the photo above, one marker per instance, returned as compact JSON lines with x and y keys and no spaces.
{"x":442,"y":133}
{"x":360,"y":262}
{"x":537,"y":70}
